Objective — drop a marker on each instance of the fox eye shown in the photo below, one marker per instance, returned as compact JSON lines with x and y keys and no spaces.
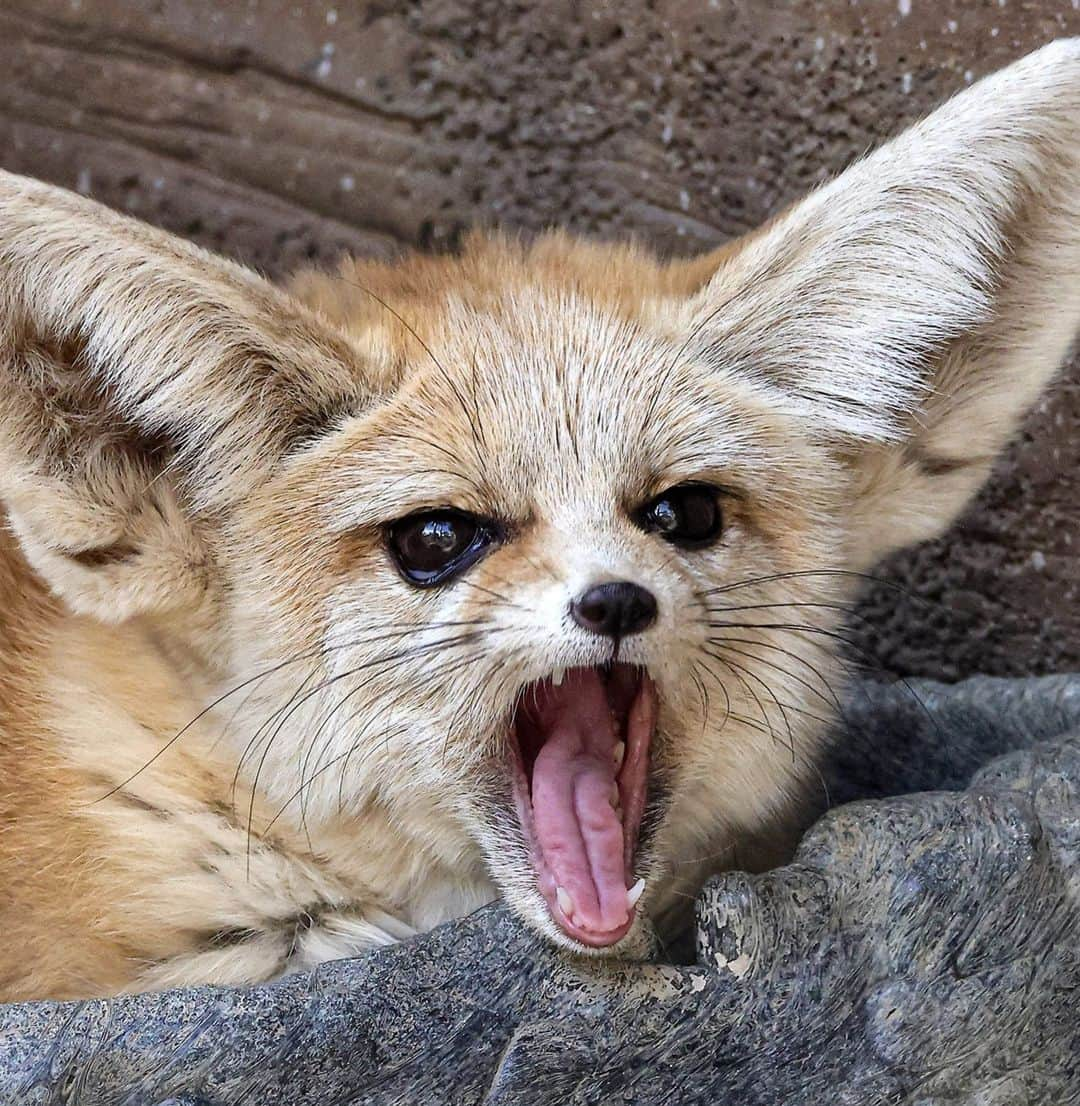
{"x":687,"y":514}
{"x":430,"y":547}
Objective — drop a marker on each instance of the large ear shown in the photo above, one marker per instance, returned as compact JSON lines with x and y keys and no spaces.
{"x":142,"y":382}
{"x":911,"y":310}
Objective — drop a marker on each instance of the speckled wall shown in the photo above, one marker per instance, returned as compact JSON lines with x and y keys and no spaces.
{"x":284,"y":132}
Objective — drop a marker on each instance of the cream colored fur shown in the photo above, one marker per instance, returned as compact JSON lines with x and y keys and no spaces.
{"x":234,"y":743}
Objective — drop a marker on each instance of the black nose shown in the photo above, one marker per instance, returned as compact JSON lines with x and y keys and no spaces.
{"x":615,"y":610}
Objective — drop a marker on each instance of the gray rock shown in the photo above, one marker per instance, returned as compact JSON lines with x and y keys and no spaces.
{"x":923,"y":949}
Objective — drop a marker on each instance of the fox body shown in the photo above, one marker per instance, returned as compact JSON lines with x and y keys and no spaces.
{"x":331,"y":613}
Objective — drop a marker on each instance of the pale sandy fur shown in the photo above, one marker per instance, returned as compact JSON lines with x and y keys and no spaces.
{"x":235,"y":743}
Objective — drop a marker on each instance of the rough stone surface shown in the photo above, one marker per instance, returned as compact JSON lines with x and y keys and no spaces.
{"x":284,"y":132}
{"x":920,"y":950}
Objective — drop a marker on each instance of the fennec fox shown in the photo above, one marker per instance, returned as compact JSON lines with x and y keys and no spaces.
{"x":332,"y":613}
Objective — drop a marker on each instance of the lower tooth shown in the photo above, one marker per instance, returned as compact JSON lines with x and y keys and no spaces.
{"x":566,"y":904}
{"x":620,"y":754}
{"x":558,"y":677}
{"x":634,"y":893}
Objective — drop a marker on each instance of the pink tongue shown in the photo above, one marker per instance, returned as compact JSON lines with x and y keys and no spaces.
{"x":573,"y":781}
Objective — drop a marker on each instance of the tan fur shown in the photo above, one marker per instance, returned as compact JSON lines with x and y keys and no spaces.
{"x":234,"y":743}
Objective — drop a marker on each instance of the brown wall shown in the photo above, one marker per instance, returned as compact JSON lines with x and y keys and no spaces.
{"x":283,"y":132}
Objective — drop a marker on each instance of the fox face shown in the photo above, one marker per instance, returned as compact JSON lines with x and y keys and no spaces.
{"x":550,"y":557}
{"x":527,"y":567}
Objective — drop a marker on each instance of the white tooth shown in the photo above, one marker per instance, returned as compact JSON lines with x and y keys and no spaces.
{"x":620,"y":754}
{"x":635,"y":893}
{"x":566,"y":904}
{"x":558,"y":677}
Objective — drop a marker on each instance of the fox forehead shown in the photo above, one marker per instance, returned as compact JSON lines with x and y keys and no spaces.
{"x":544,"y":392}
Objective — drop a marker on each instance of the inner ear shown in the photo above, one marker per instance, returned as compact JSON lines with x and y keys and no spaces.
{"x":93,"y":501}
{"x":79,"y":417}
{"x":118,"y":553}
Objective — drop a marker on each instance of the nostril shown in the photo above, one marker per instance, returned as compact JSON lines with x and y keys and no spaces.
{"x":594,"y":614}
{"x":617,"y":609}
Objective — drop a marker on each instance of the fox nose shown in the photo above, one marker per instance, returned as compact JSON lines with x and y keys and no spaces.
{"x":615,"y":610}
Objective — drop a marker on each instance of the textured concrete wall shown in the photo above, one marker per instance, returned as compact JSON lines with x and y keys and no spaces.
{"x":283,"y":132}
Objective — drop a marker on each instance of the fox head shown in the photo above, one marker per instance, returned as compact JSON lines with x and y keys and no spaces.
{"x":540,"y":551}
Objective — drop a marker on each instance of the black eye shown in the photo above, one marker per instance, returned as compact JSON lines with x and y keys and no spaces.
{"x":688,"y":515}
{"x":432,"y":546}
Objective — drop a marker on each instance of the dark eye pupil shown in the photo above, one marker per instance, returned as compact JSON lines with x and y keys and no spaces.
{"x":433,"y":546}
{"x":687,"y":515}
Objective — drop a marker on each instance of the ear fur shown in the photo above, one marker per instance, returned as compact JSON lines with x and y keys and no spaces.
{"x":914,"y":308}
{"x":139,"y":373}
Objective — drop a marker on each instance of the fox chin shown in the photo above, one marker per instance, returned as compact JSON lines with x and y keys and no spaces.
{"x":334,"y":611}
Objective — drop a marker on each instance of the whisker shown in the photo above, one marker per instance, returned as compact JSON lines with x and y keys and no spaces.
{"x":253,"y":743}
{"x":726,"y":852}
{"x":452,"y":724}
{"x":786,"y":627}
{"x":772,"y":695}
{"x":501,"y":582}
{"x":768,"y":728}
{"x":410,"y":436}
{"x":749,"y":722}
{"x":823,"y":720}
{"x":545,"y":569}
{"x":397,"y":657}
{"x":471,"y":416}
{"x":865,"y":654}
{"x":723,"y":687}
{"x":299,"y":791}
{"x":264,"y":674}
{"x":324,"y":652}
{"x":834,"y":701}
{"x":681,"y":894}
{"x":306,"y":783}
{"x":406,"y":654}
{"x":735,"y":670}
{"x":356,"y":742}
{"x":846,"y":611}
{"x":703,"y":695}
{"x":825,"y":572}
{"x":504,"y":600}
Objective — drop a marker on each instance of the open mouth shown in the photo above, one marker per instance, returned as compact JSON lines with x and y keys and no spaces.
{"x":583,"y":742}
